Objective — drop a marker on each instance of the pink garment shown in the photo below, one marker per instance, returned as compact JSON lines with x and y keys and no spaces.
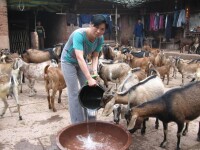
{"x":161,"y":22}
{"x":152,"y":17}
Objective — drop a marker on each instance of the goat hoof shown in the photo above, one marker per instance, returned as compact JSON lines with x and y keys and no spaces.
{"x":132,"y":130}
{"x":143,"y":132}
{"x":117,"y":122}
{"x":198,"y":138}
{"x":163,"y":144}
{"x":184,"y":133}
{"x":59,"y":100}
{"x":32,"y":94}
{"x":178,"y":148}
{"x":54,"y":110}
{"x":20,"y":117}
{"x":156,"y":126}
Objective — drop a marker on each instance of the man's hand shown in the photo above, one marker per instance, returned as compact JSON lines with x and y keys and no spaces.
{"x":92,"y":82}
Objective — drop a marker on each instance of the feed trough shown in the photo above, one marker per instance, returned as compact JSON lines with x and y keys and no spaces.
{"x":94,"y":136}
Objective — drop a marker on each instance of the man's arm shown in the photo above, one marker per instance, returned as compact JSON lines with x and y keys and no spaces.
{"x":84,"y":68}
{"x":95,"y":58}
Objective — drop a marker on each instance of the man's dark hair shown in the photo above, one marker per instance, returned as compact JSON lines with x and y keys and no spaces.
{"x":99,"y":19}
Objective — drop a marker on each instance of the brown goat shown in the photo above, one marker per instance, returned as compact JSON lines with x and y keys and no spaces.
{"x":137,"y":62}
{"x":184,"y":42}
{"x":54,"y":81}
{"x":38,"y":56}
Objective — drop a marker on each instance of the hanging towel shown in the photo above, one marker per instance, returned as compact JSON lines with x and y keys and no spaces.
{"x":181,"y":18}
{"x":176,"y":14}
{"x":161,"y":22}
{"x":84,"y":19}
{"x":152,"y":16}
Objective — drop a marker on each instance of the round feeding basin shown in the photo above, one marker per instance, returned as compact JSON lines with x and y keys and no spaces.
{"x":94,"y":136}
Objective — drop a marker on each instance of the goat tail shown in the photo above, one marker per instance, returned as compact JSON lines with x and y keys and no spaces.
{"x":45,"y":72}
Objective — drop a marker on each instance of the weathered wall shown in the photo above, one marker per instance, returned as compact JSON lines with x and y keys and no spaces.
{"x":127,"y":23}
{"x":4,"y":39}
{"x":55,"y":28}
{"x":194,"y":21}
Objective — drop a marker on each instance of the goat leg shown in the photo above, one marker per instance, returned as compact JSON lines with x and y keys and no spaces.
{"x":180,"y":128}
{"x":183,"y":76}
{"x":5,"y":106}
{"x":156,"y":123}
{"x":31,"y":86}
{"x":52,"y":100}
{"x":59,"y":96}
{"x":15,"y":95}
{"x":185,"y":131}
{"x":198,"y":135}
{"x":164,"y":142}
{"x":49,"y":99}
{"x":143,"y":130}
{"x":167,"y":78}
{"x":21,"y":80}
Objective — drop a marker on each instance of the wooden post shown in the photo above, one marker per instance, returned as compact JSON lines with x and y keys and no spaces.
{"x":116,"y":27}
{"x":4,"y":34}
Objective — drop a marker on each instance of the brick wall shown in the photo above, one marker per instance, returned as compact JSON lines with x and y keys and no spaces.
{"x":3,"y":25}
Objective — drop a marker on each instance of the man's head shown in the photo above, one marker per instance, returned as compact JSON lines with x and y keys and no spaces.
{"x":139,"y":20}
{"x":38,"y":23}
{"x":98,"y":25}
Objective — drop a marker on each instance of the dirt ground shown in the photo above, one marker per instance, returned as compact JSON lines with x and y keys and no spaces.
{"x":39,"y":127}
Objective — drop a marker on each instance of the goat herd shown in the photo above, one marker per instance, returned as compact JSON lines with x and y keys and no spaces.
{"x":139,"y":91}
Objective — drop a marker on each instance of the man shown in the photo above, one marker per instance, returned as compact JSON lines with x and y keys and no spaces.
{"x":81,"y":42}
{"x":138,"y":31}
{"x":41,"y":35}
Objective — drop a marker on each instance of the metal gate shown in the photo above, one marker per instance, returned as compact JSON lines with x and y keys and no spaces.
{"x":19,"y":41}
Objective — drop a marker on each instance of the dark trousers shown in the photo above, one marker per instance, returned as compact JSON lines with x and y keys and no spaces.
{"x":41,"y":43}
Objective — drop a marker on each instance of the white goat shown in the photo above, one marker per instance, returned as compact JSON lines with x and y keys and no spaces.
{"x":9,"y":86}
{"x":146,"y":90}
{"x":186,"y":68}
{"x":33,"y":72}
{"x":113,"y":72}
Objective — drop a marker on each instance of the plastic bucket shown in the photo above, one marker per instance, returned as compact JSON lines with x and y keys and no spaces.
{"x":90,"y":96}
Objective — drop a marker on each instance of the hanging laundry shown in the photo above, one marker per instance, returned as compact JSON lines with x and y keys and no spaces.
{"x":84,"y":19}
{"x":109,"y":21}
{"x":161,"y":22}
{"x":168,"y":25}
{"x":152,"y":16}
{"x":146,"y":22}
{"x":181,"y":18}
{"x":156,"y":21}
{"x":176,"y":14}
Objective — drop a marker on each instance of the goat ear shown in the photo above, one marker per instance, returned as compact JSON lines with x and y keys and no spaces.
{"x":108,"y":108}
{"x":109,"y":89}
{"x":132,"y":122}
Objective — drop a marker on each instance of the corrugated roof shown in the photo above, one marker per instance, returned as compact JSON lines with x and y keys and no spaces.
{"x":56,"y":5}
{"x":131,"y":3}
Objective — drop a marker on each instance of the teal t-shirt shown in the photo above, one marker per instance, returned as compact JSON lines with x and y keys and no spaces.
{"x":78,"y":40}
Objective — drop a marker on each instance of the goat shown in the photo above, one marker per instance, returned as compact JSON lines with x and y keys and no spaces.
{"x":163,"y":70}
{"x":38,"y":56}
{"x":184,"y":68}
{"x":184,"y":42}
{"x":54,"y":81}
{"x":9,"y":86}
{"x":137,"y":62}
{"x":33,"y":71}
{"x":144,"y":91}
{"x":178,"y":105}
{"x":113,"y":72}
